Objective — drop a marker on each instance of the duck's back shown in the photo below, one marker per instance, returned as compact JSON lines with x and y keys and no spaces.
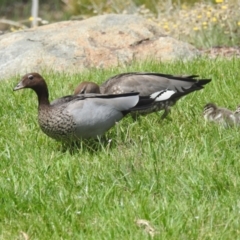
{"x":147,"y":83}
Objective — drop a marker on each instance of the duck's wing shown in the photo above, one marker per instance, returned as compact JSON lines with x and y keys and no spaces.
{"x":149,"y":83}
{"x":96,"y":113}
{"x":120,"y":102}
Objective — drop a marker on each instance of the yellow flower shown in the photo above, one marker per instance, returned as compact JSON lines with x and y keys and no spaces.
{"x":214,"y":19}
{"x":30,"y":19}
{"x":218,"y":1}
{"x":195,"y":28}
{"x":13,"y":29}
{"x":199,"y":16}
{"x":166,"y":27}
{"x":224,"y":7}
{"x":184,"y":6}
{"x":209,"y":14}
{"x":204,"y":23}
{"x":238,"y":23}
{"x":204,"y":27}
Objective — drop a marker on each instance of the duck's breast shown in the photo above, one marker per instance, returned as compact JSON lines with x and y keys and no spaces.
{"x":56,"y":123}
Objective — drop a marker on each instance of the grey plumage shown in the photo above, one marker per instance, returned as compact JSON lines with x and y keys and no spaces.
{"x":147,"y":84}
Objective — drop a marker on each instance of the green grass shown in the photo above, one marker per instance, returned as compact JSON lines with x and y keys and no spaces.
{"x":180,"y":174}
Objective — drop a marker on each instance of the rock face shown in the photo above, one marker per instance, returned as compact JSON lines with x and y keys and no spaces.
{"x":100,"y":41}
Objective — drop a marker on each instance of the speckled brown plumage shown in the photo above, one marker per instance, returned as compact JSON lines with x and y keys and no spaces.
{"x":56,"y":125}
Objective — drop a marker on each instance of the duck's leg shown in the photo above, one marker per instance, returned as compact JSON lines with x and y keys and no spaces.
{"x":70,"y":146}
{"x":135,"y":116}
{"x":167,"y":110}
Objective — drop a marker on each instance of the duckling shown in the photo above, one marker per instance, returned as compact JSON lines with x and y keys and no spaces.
{"x":147,"y":84}
{"x":219,"y":115}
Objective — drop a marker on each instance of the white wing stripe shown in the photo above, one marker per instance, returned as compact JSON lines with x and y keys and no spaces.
{"x":162,"y":95}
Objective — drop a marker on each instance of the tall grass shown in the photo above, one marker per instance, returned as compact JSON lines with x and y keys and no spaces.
{"x":181,"y":174}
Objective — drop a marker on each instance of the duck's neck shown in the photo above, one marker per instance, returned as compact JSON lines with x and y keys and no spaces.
{"x":42,"y":93}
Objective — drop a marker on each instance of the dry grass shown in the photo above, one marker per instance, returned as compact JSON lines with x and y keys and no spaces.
{"x":203,"y":24}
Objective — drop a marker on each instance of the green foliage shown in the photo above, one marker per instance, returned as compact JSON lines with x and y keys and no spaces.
{"x":180,"y":174}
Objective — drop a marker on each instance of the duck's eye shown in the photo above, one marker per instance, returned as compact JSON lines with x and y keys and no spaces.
{"x":30,"y":77}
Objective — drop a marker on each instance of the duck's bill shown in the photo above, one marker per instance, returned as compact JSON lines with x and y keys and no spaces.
{"x":19,"y":86}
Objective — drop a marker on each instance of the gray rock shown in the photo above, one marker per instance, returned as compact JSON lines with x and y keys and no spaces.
{"x":101,"y":41}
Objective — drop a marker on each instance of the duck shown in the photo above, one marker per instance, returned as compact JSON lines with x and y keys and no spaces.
{"x":76,"y":117}
{"x":146,"y":84}
{"x":223,"y":116}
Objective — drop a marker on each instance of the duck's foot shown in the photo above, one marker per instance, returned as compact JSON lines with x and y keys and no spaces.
{"x":166,"y":113}
{"x":89,"y":145}
{"x":71,"y":146}
{"x":135,"y":116}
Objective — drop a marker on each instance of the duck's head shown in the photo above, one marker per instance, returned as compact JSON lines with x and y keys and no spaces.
{"x":86,"y":87}
{"x":209,"y":109}
{"x":31,"y":80}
